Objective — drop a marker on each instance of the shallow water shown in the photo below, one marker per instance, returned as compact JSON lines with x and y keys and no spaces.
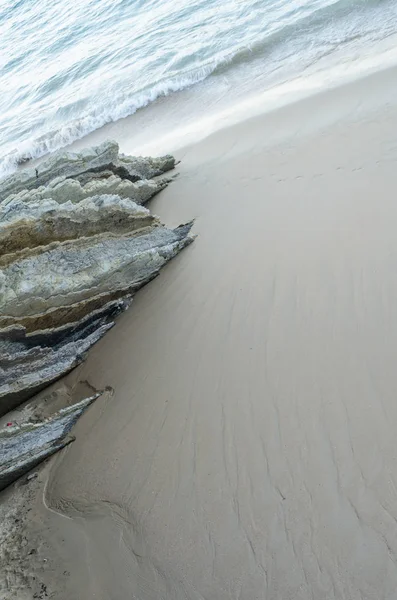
{"x":66,"y":70}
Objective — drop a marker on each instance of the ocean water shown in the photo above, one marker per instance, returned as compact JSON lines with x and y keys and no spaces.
{"x":67,"y":69}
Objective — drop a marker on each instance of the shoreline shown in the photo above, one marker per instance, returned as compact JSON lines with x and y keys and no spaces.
{"x":249,"y":445}
{"x":160,"y":121}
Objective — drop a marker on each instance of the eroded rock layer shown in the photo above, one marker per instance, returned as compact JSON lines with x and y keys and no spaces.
{"x":25,"y":446}
{"x":86,"y":166}
{"x":75,"y":244}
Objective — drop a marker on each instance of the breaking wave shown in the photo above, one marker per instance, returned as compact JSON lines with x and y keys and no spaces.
{"x":90,"y":72}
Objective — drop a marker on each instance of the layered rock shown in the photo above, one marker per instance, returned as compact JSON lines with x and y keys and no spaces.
{"x":29,"y":225}
{"x":75,"y":245}
{"x":30,"y":362}
{"x":86,"y":166}
{"x":67,"y":189}
{"x":24,"y":446}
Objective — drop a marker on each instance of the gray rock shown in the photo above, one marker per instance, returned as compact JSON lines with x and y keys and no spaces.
{"x":62,"y":316}
{"x":144,"y":167}
{"x":71,"y":259}
{"x":71,"y":331}
{"x":85,"y":166}
{"x":31,"y":361}
{"x":62,"y":189}
{"x":29,"y":225}
{"x":25,"y":372}
{"x":73,"y":271}
{"x":79,"y":279}
{"x":58,"y":164}
{"x":23,"y":447}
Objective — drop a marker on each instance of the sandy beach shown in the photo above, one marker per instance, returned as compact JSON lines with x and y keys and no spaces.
{"x":248,"y":450}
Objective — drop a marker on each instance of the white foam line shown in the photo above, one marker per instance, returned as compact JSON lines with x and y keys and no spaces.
{"x":276,"y":97}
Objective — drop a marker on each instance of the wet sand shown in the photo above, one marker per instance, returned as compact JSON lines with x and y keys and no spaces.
{"x":249,"y":450}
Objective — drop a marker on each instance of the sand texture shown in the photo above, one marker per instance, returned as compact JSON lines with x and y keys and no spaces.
{"x":250,"y":450}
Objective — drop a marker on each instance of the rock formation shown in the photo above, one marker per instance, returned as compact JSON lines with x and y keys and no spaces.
{"x":75,"y":244}
{"x":85,"y":166}
{"x":23,"y":447}
{"x":68,"y":189}
{"x":26,"y":225}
